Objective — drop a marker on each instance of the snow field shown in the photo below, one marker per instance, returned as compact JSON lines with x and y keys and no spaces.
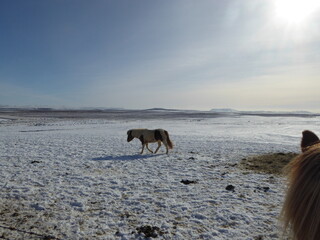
{"x":80,"y":179}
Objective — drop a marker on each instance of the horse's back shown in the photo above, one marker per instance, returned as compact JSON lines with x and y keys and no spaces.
{"x":148,"y":135}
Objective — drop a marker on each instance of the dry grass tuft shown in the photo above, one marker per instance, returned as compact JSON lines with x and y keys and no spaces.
{"x":271,"y":163}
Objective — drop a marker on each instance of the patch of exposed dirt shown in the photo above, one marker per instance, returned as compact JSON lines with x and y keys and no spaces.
{"x":271,"y":163}
{"x":150,"y":231}
{"x":18,"y":221}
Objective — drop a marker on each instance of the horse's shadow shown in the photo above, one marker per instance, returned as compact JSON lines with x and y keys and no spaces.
{"x":124,"y":157}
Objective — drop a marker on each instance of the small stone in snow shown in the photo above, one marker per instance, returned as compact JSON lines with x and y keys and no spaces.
{"x":150,"y":231}
{"x":260,"y":237}
{"x":35,"y":161}
{"x":187,"y":182}
{"x":265,"y":189}
{"x":230,"y":188}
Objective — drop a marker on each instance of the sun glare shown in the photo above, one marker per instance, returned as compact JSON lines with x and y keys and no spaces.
{"x":295,"y":11}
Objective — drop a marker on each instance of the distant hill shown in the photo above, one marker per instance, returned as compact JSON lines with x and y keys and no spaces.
{"x":302,"y":112}
{"x":216,"y":111}
{"x":266,"y":113}
{"x":224,"y":110}
{"x":278,"y":112}
{"x":162,"y":109}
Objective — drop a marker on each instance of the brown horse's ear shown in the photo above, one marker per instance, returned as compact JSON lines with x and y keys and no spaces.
{"x":308,"y":139}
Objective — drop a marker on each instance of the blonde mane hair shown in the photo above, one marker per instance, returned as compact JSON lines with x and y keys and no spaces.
{"x":301,"y":209}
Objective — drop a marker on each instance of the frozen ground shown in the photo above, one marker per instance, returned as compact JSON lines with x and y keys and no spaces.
{"x":79,"y":179}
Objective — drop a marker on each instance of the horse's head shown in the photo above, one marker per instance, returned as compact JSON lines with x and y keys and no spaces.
{"x":130,"y":137}
{"x":308,"y":140}
{"x":301,"y":209}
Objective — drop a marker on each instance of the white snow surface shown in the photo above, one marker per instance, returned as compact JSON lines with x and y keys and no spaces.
{"x":81,"y":179}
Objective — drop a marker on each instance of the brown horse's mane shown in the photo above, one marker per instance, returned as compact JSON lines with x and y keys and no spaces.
{"x":301,"y":209}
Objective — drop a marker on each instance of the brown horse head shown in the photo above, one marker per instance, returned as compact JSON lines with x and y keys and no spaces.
{"x":130,"y":137}
{"x":301,"y":209}
{"x":308,"y":139}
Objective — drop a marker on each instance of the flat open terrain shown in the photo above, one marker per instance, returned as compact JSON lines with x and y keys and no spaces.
{"x":72,"y":175}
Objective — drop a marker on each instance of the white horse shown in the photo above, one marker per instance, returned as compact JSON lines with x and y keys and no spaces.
{"x":150,"y":136}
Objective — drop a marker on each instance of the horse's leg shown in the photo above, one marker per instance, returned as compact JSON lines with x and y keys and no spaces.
{"x":142,"y":148}
{"x":149,"y":148}
{"x":167,"y":149}
{"x":159,"y":145}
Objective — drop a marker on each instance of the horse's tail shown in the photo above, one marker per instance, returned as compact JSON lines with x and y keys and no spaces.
{"x":301,"y":210}
{"x":170,"y":144}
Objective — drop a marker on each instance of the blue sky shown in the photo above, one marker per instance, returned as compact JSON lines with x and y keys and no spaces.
{"x":135,"y":54}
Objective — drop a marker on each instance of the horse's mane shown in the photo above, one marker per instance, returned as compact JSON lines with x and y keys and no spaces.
{"x":301,"y":210}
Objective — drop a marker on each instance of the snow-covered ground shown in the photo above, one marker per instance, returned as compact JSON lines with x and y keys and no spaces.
{"x":80,"y":179}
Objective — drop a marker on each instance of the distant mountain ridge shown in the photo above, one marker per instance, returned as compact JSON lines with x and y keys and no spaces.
{"x":230,"y":110}
{"x":224,"y":110}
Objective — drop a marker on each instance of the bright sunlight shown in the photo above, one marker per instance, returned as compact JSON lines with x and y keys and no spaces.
{"x":295,"y":12}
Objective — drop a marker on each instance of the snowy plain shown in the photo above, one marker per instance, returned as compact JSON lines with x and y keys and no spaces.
{"x":78,"y":178}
